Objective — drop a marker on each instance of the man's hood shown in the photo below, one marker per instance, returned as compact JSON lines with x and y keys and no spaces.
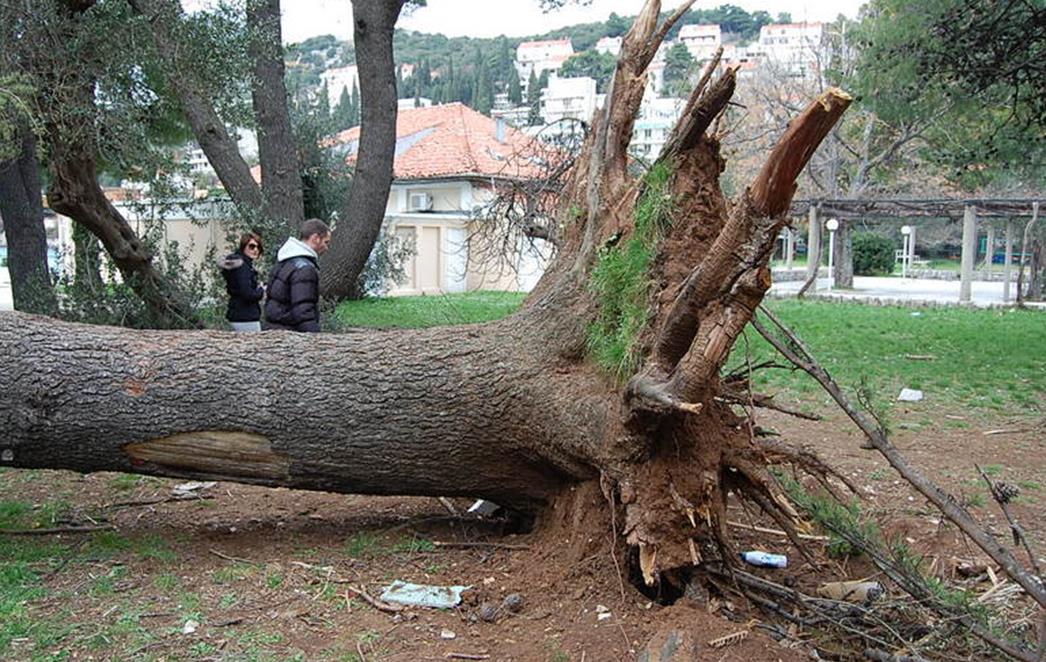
{"x":295,"y":247}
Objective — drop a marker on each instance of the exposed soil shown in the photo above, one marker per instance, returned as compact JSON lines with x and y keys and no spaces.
{"x":266,"y":573}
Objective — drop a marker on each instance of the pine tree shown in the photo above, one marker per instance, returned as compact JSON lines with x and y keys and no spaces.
{"x":483,"y":92}
{"x":515,"y":93}
{"x":343,"y":113}
{"x":534,"y":99}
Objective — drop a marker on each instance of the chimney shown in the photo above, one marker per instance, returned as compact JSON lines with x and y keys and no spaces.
{"x":499,"y":129}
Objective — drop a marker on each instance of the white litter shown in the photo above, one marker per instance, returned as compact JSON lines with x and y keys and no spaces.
{"x":910,"y":395}
{"x":190,"y":626}
{"x":483,"y":507}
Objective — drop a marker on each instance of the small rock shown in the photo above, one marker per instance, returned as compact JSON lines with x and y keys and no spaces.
{"x":190,"y":626}
{"x":488,"y":612}
{"x":447,"y":634}
{"x":488,"y":581}
{"x":513,"y":602}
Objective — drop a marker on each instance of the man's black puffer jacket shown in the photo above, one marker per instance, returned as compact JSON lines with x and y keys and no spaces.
{"x":294,"y":295}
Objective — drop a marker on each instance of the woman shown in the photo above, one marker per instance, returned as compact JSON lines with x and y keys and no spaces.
{"x":241,"y":282}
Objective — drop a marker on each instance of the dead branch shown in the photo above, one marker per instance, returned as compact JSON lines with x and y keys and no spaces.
{"x":765,"y":402}
{"x":153,"y":502}
{"x":235,"y":559}
{"x":56,"y":530}
{"x":877,"y":655}
{"x":775,"y":532}
{"x":493,"y":545}
{"x":798,"y":353}
{"x":1001,"y":497}
{"x":701,"y":109}
{"x":376,"y":603}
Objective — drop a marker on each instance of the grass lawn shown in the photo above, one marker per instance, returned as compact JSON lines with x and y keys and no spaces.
{"x":425,"y":311}
{"x":984,"y":359}
{"x":991,"y":360}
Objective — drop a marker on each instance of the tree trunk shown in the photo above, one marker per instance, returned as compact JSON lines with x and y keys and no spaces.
{"x":514,"y":410}
{"x":277,"y":151}
{"x":23,"y":216}
{"x":74,"y":192}
{"x":359,"y":221}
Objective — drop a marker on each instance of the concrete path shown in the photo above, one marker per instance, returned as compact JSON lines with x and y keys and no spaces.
{"x":903,"y":291}
{"x":6,"y":301}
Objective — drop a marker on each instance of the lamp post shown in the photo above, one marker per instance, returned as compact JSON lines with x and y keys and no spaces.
{"x":832,"y":225}
{"x":906,"y":232}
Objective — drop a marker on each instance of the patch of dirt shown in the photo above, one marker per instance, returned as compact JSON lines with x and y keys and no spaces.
{"x":266,"y":573}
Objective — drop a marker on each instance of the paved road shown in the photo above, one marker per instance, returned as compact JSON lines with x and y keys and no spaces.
{"x":904,"y":290}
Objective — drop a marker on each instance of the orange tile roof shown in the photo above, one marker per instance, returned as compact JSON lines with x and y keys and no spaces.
{"x":452,"y":140}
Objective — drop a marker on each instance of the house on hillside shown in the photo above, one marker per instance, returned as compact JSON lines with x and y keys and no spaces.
{"x":450,"y":161}
{"x":701,"y":40}
{"x":798,"y":49}
{"x":568,"y":98}
{"x":341,"y":78}
{"x":538,"y":56}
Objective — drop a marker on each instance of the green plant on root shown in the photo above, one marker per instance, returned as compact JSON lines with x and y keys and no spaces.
{"x":621,"y":280}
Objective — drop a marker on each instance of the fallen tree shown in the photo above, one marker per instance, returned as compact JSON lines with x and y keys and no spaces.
{"x":655,"y":277}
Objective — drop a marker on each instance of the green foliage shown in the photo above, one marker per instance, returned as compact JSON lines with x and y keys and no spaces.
{"x":975,"y":68}
{"x":856,"y":341}
{"x":873,"y":254}
{"x":599,"y":66}
{"x":679,"y":68}
{"x":621,"y":282}
{"x":427,"y":311}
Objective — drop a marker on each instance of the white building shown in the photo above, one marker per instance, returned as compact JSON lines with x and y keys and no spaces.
{"x":538,"y":56}
{"x":653,"y":126}
{"x":568,"y":98}
{"x":799,"y":49}
{"x":451,"y":161}
{"x":701,"y":40}
{"x":609,"y":45}
{"x":347,"y":78}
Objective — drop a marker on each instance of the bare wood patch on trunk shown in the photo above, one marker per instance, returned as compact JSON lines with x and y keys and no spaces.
{"x":221,"y":453}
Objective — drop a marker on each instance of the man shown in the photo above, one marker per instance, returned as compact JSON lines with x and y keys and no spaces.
{"x":294,"y":286}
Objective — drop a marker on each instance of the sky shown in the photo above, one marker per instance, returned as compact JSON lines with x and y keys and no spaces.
{"x":517,"y":18}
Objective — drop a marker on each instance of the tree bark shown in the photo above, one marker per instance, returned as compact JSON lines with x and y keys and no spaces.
{"x":23,"y":217}
{"x":277,"y":152}
{"x":360,"y":220}
{"x":514,"y":410}
{"x":433,"y":412}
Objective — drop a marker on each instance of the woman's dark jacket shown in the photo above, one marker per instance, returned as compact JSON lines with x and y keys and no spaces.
{"x":241,"y":282}
{"x":294,"y":295}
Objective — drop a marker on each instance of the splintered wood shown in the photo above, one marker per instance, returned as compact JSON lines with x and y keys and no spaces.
{"x":729,"y":640}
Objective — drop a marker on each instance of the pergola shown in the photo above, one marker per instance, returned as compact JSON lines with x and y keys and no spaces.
{"x":970,"y":210}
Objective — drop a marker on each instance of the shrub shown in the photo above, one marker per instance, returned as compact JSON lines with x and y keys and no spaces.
{"x":873,"y":254}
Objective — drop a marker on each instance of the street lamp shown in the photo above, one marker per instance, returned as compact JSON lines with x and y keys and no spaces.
{"x":906,"y":231}
{"x":832,"y":225}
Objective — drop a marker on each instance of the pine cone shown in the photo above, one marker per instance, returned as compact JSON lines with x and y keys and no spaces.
{"x":1005,"y":492}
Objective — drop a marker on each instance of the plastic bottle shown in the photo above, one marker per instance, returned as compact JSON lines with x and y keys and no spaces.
{"x":765,"y":559}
